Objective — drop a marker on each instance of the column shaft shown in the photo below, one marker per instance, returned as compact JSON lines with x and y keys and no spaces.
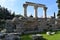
{"x":25,"y":10}
{"x":45,"y":15}
{"x":35,"y":11}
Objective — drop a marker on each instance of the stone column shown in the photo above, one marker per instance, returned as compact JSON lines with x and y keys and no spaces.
{"x":25,"y":10}
{"x":44,"y":15}
{"x":35,"y":11}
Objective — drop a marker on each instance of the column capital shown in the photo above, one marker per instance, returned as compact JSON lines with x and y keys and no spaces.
{"x":45,"y":8}
{"x":25,"y":5}
{"x":35,"y":7}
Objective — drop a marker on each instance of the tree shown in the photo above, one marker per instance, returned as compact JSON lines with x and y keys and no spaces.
{"x":6,"y":14}
{"x":12,"y":15}
{"x":31,"y":16}
{"x":58,"y":1}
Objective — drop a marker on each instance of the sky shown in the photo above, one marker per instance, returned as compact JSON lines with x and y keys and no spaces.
{"x":17,"y":6}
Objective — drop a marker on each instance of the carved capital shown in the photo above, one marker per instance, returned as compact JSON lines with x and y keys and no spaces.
{"x":25,"y":5}
{"x":45,"y":8}
{"x":35,"y":7}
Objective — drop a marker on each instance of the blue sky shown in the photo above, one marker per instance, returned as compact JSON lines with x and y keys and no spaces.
{"x":17,"y":6}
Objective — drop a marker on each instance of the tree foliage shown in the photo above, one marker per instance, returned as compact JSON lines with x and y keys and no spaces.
{"x":5,"y":14}
{"x":58,"y":2}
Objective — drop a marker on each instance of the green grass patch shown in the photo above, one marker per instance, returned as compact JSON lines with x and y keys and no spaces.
{"x":52,"y":37}
{"x":26,"y":37}
{"x":48,"y":37}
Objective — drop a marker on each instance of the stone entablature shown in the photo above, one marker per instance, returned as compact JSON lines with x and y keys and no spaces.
{"x":35,"y":9}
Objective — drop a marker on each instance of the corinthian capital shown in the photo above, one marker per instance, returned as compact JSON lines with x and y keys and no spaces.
{"x":25,"y":5}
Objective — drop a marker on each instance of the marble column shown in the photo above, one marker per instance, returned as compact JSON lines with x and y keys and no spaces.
{"x":45,"y":15}
{"x":25,"y":10}
{"x":35,"y":11}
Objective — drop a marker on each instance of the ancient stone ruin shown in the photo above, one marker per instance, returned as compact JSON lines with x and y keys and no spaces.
{"x":32,"y":24}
